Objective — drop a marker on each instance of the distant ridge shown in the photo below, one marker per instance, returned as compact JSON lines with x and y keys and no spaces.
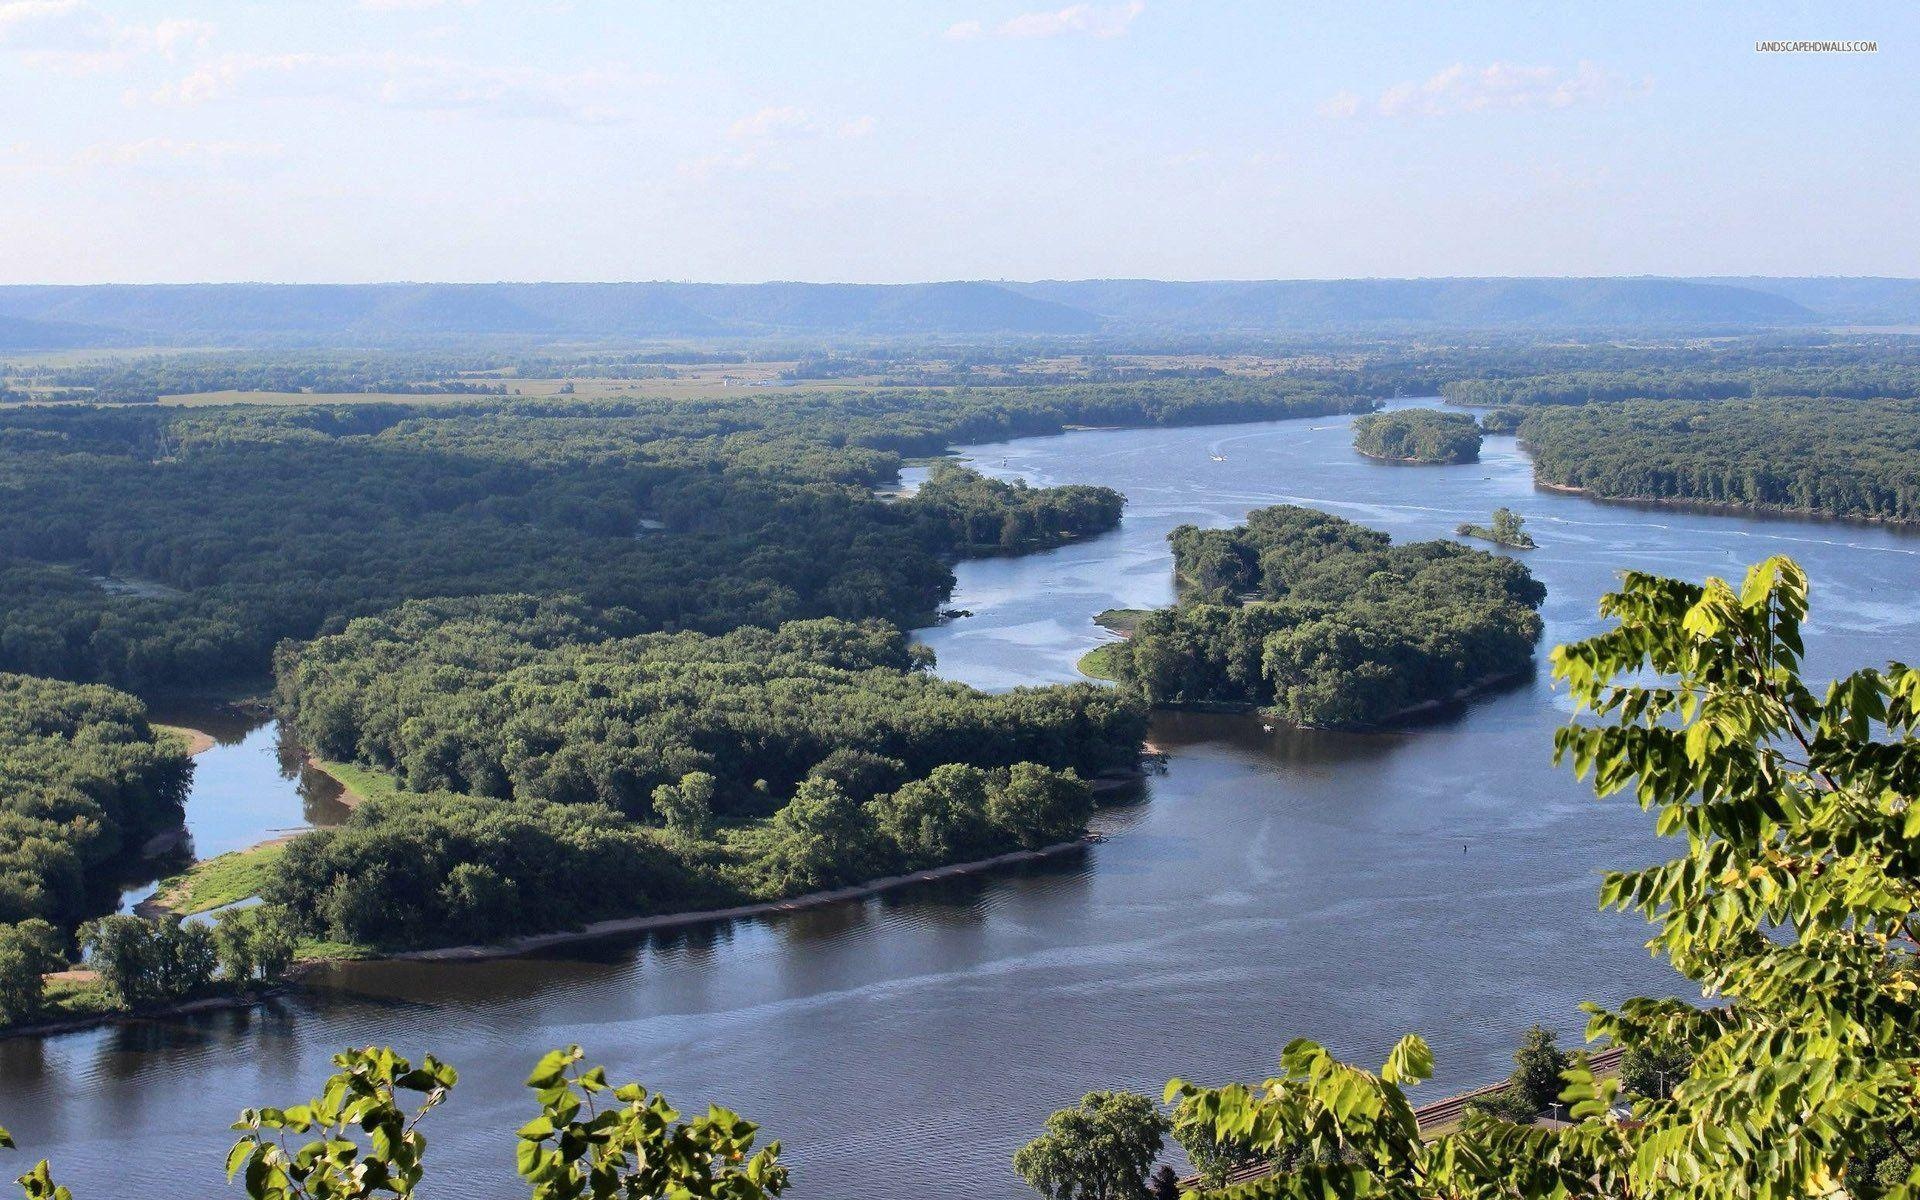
{"x":36,"y":317}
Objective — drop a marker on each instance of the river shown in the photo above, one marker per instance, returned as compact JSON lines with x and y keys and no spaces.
{"x":1269,"y":885}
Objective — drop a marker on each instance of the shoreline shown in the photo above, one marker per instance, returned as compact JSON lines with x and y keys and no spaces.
{"x":1727,"y":508}
{"x":615,"y":926}
{"x":612,"y":927}
{"x":1416,"y":462}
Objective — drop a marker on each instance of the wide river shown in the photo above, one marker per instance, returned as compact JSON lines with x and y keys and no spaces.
{"x":1269,"y":885}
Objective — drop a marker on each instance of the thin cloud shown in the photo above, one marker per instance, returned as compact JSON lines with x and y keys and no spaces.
{"x":1090,"y":20}
{"x":774,"y":119}
{"x":76,"y":38}
{"x":165,"y":149}
{"x":416,"y":82}
{"x":1496,"y":87}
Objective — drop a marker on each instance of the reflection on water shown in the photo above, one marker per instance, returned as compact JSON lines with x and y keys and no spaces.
{"x":252,"y":785}
{"x":1343,"y":886}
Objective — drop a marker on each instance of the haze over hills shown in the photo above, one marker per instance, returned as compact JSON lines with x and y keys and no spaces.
{"x":35,"y":317}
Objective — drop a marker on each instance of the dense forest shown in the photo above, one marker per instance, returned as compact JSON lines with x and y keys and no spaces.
{"x":676,"y":770}
{"x":165,"y":548}
{"x":542,"y":699}
{"x":1418,"y":435}
{"x":1838,"y":458}
{"x":1328,"y":623}
{"x":1852,"y":381}
{"x":83,"y":780}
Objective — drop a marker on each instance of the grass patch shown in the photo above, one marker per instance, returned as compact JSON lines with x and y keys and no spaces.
{"x":221,"y":880}
{"x":312,"y":950}
{"x":361,"y":782}
{"x":1122,"y":621}
{"x":196,"y":741}
{"x":66,"y":998}
{"x":1097,"y":663}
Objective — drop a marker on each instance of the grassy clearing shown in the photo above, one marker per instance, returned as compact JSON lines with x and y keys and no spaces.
{"x":1122,"y":621}
{"x":1097,"y":663}
{"x":221,"y":880}
{"x":362,"y":783}
{"x":68,"y":997}
{"x":197,"y":741}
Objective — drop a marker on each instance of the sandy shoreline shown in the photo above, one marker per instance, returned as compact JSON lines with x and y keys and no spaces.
{"x":621,"y":925}
{"x":598,"y":929}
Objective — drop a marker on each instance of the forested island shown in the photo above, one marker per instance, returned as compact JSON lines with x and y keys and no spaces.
{"x":1836,"y":458}
{"x":680,"y":771}
{"x":1418,"y":435}
{"x":1325,"y":622}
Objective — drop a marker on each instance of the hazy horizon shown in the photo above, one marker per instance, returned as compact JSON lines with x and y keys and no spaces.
{"x":353,"y":141}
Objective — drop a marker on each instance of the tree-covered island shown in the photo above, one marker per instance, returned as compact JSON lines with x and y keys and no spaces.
{"x":1328,"y":623}
{"x":1418,"y":435}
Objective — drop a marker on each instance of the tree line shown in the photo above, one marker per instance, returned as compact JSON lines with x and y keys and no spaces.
{"x":1851,"y":380}
{"x":166,"y":548}
{"x":1838,"y":458}
{"x":1326,"y":622}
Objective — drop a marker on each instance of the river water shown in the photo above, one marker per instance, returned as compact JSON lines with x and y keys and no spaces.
{"x":251,"y":785}
{"x":1270,"y":885}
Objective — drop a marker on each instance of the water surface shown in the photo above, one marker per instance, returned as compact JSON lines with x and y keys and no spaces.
{"x":1347,"y":887}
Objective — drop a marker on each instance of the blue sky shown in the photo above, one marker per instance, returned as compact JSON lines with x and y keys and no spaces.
{"x":349,"y":140}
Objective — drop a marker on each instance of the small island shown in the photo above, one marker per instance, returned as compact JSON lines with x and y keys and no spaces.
{"x":1418,"y":435}
{"x":1506,"y":530}
{"x":1322,"y":622}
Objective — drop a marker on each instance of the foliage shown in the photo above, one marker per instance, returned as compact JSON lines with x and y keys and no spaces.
{"x":638,"y":1147}
{"x":1841,"y":458}
{"x":1418,"y":435}
{"x":365,"y":1143}
{"x":1794,"y":902}
{"x":1329,"y":623}
{"x":28,"y":951}
{"x":168,"y":547}
{"x":83,"y":779}
{"x":542,"y":700}
{"x":977,"y":513}
{"x":255,"y":944}
{"x":1100,"y":1149}
{"x":145,"y":963}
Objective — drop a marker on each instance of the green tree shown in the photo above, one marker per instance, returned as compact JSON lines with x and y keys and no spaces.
{"x":1652,"y":1069}
{"x":364,"y":1142}
{"x":1508,"y":528}
{"x":255,"y":944}
{"x":1038,"y":806}
{"x":823,"y":838}
{"x":637,"y":1146}
{"x":942,"y":818}
{"x":686,"y":808}
{"x":27,"y":952}
{"x":144,"y":962}
{"x":1100,"y":1149}
{"x":1796,"y":900}
{"x":1537,"y":1065}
